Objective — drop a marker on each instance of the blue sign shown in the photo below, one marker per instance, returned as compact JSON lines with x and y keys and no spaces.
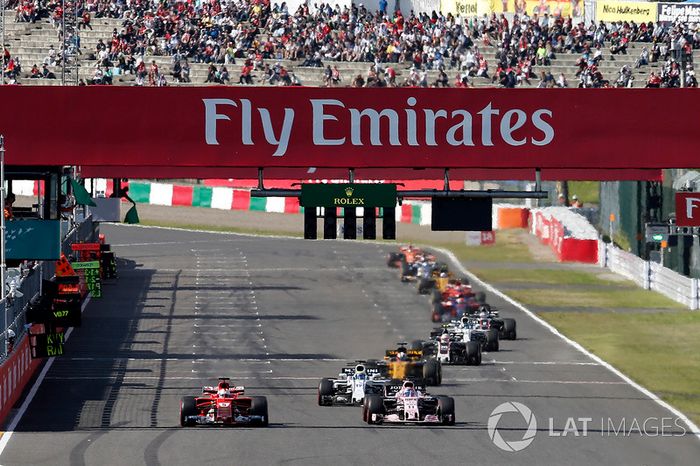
{"x":32,"y":239}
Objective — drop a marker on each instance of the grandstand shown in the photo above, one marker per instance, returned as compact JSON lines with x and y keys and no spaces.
{"x":31,"y":43}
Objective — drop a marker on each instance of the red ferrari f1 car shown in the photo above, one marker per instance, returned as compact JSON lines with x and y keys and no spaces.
{"x":223,"y":405}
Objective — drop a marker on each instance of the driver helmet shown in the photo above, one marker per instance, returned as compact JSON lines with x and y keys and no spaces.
{"x":223,"y":389}
{"x":401,"y":353}
{"x":445,"y":338}
{"x":408,"y":389}
{"x":483,"y":315}
{"x":360,"y":372}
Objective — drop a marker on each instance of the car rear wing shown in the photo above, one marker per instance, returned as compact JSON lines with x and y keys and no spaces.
{"x":413,"y":353}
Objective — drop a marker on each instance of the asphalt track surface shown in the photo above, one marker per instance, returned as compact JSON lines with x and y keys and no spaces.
{"x":276,"y":315}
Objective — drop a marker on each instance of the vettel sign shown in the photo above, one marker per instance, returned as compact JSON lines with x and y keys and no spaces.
{"x":688,"y":209}
{"x":347,"y":128}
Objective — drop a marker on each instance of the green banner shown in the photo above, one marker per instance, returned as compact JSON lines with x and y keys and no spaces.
{"x":348,"y":195}
{"x":85,"y":265}
{"x":33,"y":239}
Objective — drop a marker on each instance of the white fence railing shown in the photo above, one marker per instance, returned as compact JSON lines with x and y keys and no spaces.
{"x":650,"y":275}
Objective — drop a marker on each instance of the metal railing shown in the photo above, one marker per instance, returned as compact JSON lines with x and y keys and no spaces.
{"x":13,"y":309}
{"x":651,"y":275}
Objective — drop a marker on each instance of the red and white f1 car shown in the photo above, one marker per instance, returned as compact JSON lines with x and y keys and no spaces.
{"x":223,"y":405}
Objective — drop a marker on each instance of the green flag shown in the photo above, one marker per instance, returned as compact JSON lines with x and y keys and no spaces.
{"x":132,"y":216}
{"x":82,"y":197}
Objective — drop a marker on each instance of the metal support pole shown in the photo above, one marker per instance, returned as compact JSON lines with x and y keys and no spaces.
{"x":538,"y":184}
{"x":260,"y":179}
{"x":2,"y":42}
{"x":62,"y":50}
{"x":2,"y":220}
{"x":447,"y":179}
{"x":2,"y":239}
{"x":351,"y":175}
{"x":425,"y":193}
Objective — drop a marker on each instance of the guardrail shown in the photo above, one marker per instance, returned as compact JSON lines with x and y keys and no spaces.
{"x":14,"y":309}
{"x":651,"y":275}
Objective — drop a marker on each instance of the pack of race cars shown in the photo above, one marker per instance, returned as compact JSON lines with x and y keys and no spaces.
{"x":392,"y":389}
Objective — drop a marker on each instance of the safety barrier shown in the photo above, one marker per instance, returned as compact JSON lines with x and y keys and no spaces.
{"x":651,"y":275}
{"x":567,"y":233}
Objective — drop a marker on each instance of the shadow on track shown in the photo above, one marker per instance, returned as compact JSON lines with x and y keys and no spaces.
{"x":84,"y":403}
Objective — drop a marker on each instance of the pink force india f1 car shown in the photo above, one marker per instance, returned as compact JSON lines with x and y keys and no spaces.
{"x":223,"y":405}
{"x":404,"y":403}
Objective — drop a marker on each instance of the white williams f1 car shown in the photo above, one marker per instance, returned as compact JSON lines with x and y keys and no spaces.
{"x":350,"y":386}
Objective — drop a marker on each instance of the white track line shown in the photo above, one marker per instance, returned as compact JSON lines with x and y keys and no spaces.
{"x":32,"y":393}
{"x":691,"y":425}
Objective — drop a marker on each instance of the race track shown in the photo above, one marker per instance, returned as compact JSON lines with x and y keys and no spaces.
{"x":276,"y":315}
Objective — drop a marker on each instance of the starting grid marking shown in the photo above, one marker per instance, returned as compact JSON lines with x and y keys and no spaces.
{"x":146,"y":377}
{"x":259,"y":360}
{"x":469,"y":380}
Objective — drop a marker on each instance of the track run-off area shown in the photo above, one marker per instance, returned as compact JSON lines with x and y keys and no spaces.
{"x":278,"y":314}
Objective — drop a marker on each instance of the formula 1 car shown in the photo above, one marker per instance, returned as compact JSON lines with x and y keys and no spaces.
{"x":451,"y":348}
{"x":351,"y":385}
{"x":455,"y":299}
{"x":223,"y":405}
{"x":469,"y":329}
{"x":403,"y":363}
{"x":507,"y":328}
{"x":407,"y":404}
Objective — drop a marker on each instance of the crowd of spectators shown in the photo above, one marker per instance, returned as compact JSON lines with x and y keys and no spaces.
{"x":223,"y":33}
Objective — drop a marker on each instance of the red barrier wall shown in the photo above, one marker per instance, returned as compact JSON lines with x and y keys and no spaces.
{"x":15,"y":373}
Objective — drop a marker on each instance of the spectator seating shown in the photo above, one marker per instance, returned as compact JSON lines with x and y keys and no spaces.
{"x":30,"y":42}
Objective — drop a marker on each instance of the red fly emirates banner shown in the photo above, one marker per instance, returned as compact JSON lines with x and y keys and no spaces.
{"x":315,"y":127}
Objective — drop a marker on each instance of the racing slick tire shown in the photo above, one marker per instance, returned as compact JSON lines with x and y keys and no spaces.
{"x":425,"y":285}
{"x":188,"y":407}
{"x":446,"y":410}
{"x":374,"y":404}
{"x":509,"y":329}
{"x":432,"y":372}
{"x":325,"y":388}
{"x":473,"y":353}
{"x":480,"y":297}
{"x":395,"y":259}
{"x":258,"y":407}
{"x":492,"y":340}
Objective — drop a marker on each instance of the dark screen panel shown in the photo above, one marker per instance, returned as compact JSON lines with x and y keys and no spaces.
{"x":461,"y":214}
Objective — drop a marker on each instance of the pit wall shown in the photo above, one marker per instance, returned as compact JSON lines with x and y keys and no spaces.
{"x":15,"y":372}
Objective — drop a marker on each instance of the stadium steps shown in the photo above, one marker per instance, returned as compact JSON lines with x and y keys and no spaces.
{"x":30,"y":42}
